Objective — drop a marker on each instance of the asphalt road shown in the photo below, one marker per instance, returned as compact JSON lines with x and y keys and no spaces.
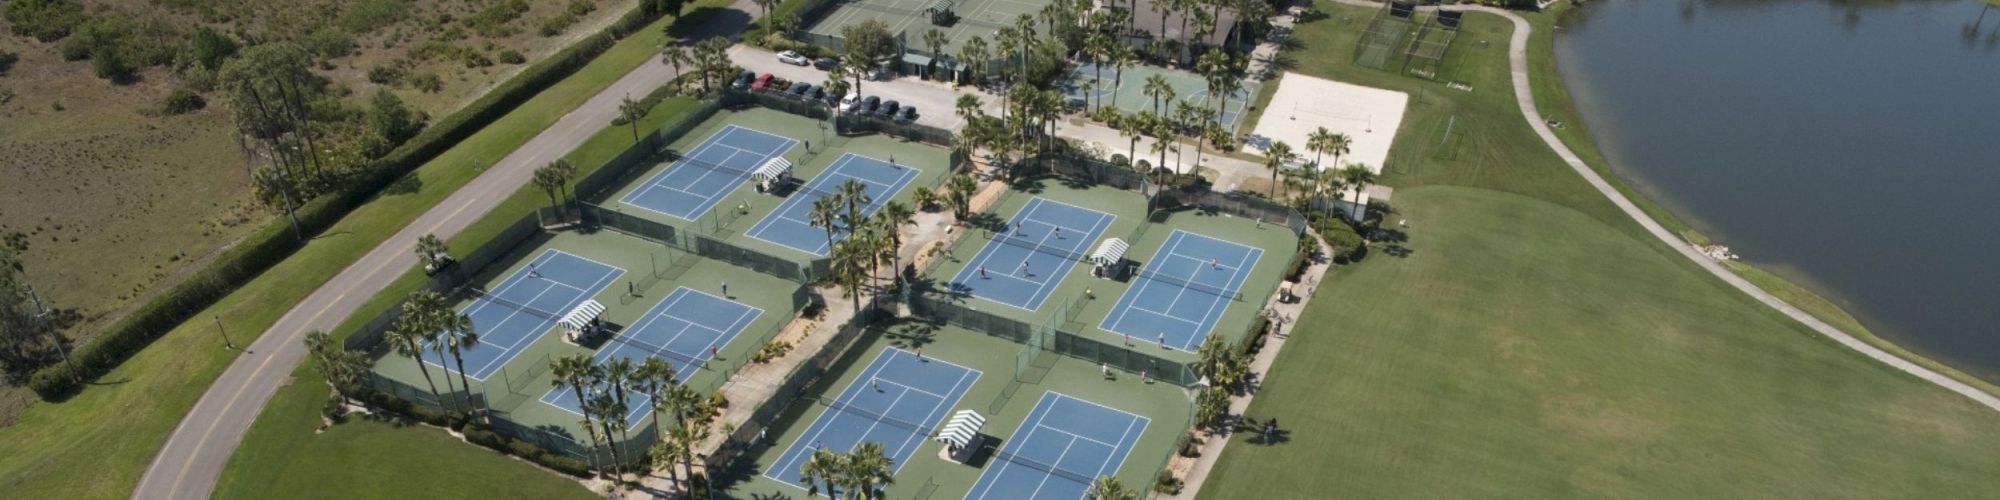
{"x":193,"y":458}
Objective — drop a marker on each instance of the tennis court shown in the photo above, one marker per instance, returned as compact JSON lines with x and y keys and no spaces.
{"x":680,"y":329}
{"x":1064,"y":445}
{"x":527,"y":304}
{"x":1090,"y":84}
{"x":696,"y":182}
{"x":1025,"y":261}
{"x":790,"y":225}
{"x":896,"y":401}
{"x":1183,"y":290}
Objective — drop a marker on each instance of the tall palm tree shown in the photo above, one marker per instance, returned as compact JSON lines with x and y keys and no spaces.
{"x":1163,"y":133}
{"x":675,"y":55}
{"x":632,"y":111}
{"x":665,"y":455}
{"x":1133,"y":127}
{"x":416,"y":329}
{"x":574,"y":372}
{"x":854,"y":194}
{"x":342,"y":368}
{"x":609,"y":415}
{"x":871,"y":469}
{"x":891,"y":219}
{"x":825,"y":215}
{"x":618,"y":377}
{"x":1098,"y":46}
{"x":688,"y":435}
{"x":974,"y":57}
{"x":1108,"y":488}
{"x":1327,"y":184}
{"x":850,"y":266}
{"x":967,"y":106}
{"x":1275,"y":158}
{"x":1158,"y":89}
{"x":1358,"y":177}
{"x":1121,"y":55}
{"x":958,"y":192}
{"x":655,"y":376}
{"x":459,"y":337}
{"x":766,"y":5}
{"x":936,"y":40}
{"x":821,"y":468}
{"x":565,"y":171}
{"x":434,"y":336}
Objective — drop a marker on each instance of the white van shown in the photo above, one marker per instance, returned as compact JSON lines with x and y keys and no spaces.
{"x":847,"y":103}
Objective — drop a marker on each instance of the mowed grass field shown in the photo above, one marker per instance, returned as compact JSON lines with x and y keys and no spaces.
{"x":1535,"y":343}
{"x":97,"y":444}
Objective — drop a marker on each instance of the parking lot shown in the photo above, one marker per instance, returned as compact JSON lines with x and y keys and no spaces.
{"x":935,"y":101}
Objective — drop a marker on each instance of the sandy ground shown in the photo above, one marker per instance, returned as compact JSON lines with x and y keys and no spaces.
{"x":1303,"y":104}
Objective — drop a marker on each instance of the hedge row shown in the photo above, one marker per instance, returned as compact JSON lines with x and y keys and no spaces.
{"x":274,"y":242}
{"x":480,"y":435}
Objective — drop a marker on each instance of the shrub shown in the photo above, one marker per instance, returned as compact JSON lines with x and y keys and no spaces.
{"x":555,"y":25}
{"x":45,"y":20}
{"x":511,"y":56}
{"x":1167,"y":484}
{"x":474,"y":59}
{"x":427,"y":82}
{"x":367,"y":15}
{"x":328,"y":43}
{"x":210,"y":47}
{"x":111,"y":65}
{"x":386,"y":74}
{"x":491,"y":21}
{"x":182,"y":100}
{"x":1346,"y":243}
{"x":581,"y":7}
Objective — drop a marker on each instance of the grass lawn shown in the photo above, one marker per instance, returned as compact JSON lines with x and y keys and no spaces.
{"x":96,"y":444}
{"x":1535,"y":343}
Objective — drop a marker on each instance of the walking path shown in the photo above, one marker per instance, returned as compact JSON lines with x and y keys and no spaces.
{"x":187,"y":467}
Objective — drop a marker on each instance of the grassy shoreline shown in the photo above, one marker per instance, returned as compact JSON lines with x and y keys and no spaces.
{"x":1553,"y":100}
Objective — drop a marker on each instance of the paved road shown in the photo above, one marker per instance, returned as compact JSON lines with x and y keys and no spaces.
{"x":187,"y":467}
{"x":1524,"y":95}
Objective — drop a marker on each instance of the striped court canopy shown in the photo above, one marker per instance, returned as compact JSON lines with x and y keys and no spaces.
{"x":579,"y":319}
{"x":776,"y":168}
{"x":1109,"y":253}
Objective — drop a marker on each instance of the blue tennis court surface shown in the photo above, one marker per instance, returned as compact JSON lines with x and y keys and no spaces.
{"x":1063,"y":445}
{"x":896,"y":401}
{"x":680,"y":330}
{"x":1024,"y":263}
{"x":1183,"y":290}
{"x":696,"y":182}
{"x":790,"y":224}
{"x":524,"y":306}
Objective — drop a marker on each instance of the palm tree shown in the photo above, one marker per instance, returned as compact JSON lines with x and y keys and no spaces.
{"x":958,"y":192}
{"x":1163,"y":133}
{"x":610,"y":417}
{"x":825,"y":214}
{"x":665,"y":455}
{"x":1133,"y":127}
{"x":675,"y":55}
{"x":342,"y":368}
{"x":967,"y":106}
{"x":936,"y":40}
{"x":1210,"y":406}
{"x":688,"y":435}
{"x":974,"y":57}
{"x":890,"y":220}
{"x":434,"y":337}
{"x":564,"y":172}
{"x":654,"y":377}
{"x":1275,"y":158}
{"x":431,"y":251}
{"x":460,"y":337}
{"x":618,"y":377}
{"x":850,"y":265}
{"x":1108,"y":488}
{"x":766,"y":5}
{"x":821,"y":468}
{"x":1358,"y":177}
{"x":574,"y":372}
{"x":1098,"y":46}
{"x":1158,"y":89}
{"x":855,"y":195}
{"x":547,"y":179}
{"x":1120,"y":56}
{"x":871,"y":469}
{"x":632,"y":111}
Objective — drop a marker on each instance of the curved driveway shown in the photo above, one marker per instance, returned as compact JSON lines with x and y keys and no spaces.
{"x":193,"y":458}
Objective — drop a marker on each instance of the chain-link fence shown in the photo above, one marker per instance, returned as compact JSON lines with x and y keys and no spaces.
{"x":1057,"y":340}
{"x":790,"y":390}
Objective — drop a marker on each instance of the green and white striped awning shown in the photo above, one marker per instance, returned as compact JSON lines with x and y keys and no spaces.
{"x":776,"y":168}
{"x":1110,"y":252}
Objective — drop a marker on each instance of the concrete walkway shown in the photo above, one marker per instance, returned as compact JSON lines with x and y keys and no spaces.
{"x":1524,"y":95}
{"x":194,"y":455}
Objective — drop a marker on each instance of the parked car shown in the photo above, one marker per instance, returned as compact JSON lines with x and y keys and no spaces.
{"x":868,"y":105}
{"x":799,"y":89}
{"x":909,"y":114}
{"x":792,"y":57}
{"x":762,"y":81}
{"x":888,"y":109}
{"x":743,"y":79}
{"x":825,"y":63}
{"x":816,"y":93}
{"x":847,"y":104}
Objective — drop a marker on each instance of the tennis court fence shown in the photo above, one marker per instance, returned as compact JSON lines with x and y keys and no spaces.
{"x":950,"y":309}
{"x":1080,"y":166}
{"x":789,"y":390}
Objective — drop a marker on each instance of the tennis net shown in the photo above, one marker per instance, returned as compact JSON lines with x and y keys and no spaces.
{"x":1008,"y":239}
{"x":1046,"y":468}
{"x":1183,"y":283}
{"x":653,"y":349}
{"x":872,"y":415}
{"x":515,"y":305}
{"x":801,"y":186}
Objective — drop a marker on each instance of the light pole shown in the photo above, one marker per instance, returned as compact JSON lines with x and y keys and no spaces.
{"x":223,"y":333}
{"x":41,"y":315}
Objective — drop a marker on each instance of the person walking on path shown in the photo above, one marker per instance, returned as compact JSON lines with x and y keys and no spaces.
{"x":725,"y":288}
{"x":1106,"y":368}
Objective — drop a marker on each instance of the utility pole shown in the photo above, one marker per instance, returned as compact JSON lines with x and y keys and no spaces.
{"x":223,"y":333}
{"x":41,"y":316}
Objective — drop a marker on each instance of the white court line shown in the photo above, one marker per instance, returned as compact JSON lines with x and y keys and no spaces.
{"x":658,"y":179}
{"x":1165,"y":315}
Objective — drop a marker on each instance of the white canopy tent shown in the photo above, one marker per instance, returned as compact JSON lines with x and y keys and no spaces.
{"x":1107,"y":257}
{"x":772,"y":173}
{"x":961,"y":432}
{"x":580,"y":320}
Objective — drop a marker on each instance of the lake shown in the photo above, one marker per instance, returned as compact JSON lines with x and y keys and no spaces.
{"x":1850,"y":147}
